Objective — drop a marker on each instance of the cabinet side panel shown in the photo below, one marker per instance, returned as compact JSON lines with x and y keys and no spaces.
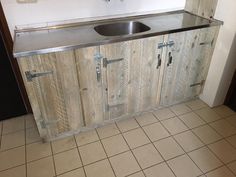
{"x":90,"y":85}
{"x":204,"y":8}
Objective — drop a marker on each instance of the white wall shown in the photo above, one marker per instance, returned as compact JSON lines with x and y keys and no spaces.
{"x":57,"y":10}
{"x":224,"y":58}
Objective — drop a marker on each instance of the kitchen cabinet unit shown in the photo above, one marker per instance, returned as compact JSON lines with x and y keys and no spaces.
{"x":77,"y":85}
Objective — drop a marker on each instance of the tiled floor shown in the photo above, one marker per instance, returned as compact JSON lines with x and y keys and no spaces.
{"x":187,"y":140}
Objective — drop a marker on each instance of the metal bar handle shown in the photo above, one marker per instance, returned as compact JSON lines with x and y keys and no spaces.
{"x":158,"y":61}
{"x":170,"y":59}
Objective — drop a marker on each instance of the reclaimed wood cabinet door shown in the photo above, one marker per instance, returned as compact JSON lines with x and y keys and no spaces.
{"x":200,"y":61}
{"x":177,"y":63}
{"x":187,"y":64}
{"x":131,"y":72}
{"x":53,"y":89}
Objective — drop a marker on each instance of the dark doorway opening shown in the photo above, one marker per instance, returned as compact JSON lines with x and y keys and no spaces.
{"x":11,"y":102}
{"x":231,"y":96}
{"x":13,"y":97}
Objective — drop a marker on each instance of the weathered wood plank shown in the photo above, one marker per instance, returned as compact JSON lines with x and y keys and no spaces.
{"x":91,"y":88}
{"x":204,"y":8}
{"x":117,"y":77}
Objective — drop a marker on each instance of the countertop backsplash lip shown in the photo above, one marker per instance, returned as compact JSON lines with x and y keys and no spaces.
{"x":55,"y":40}
{"x":97,"y":18}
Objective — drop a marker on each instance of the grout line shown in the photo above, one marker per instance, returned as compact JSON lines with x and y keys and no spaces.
{"x":53,"y":159}
{"x":106,"y":154}
{"x":26,"y":168}
{"x":130,"y":147}
{"x":164,"y":161}
{"x":82,"y":163}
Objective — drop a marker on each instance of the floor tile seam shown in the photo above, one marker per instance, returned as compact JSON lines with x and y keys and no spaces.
{"x":130,"y":147}
{"x":182,"y":147}
{"x":107,"y":154}
{"x":82,"y":163}
{"x":165,"y":161}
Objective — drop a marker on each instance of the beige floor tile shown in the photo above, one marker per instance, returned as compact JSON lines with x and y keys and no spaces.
{"x":29,"y":121}
{"x":205,"y":159}
{"x":63,"y":144}
{"x":107,"y":131}
{"x":41,"y":168}
{"x":208,"y":115}
{"x":180,"y":109}
{"x":188,"y":141}
{"x":13,"y":125}
{"x":163,"y":114}
{"x":220,"y":172}
{"x":86,"y":137}
{"x":232,"y":120}
{"x":12,"y":158}
{"x":14,"y":172}
{"x":147,"y":156}
{"x":207,"y":134}
{"x":224,"y":128}
{"x":232,"y":166}
{"x":156,"y":131}
{"x":224,"y":111}
{"x":75,"y":173}
{"x":136,"y":138}
{"x":192,"y":120}
{"x":92,"y":152}
{"x":126,"y":125}
{"x":139,"y":174}
{"x":168,"y":148}
{"x":101,"y":169}
{"x":32,"y":136}
{"x":161,"y":170}
{"x":13,"y":140}
{"x":146,"y":119}
{"x":224,"y":151}
{"x":37,"y":151}
{"x":232,"y":140}
{"x":183,"y":166}
{"x":115,"y":145}
{"x":196,"y":104}
{"x":124,"y":164}
{"x":174,"y":125}
{"x":67,"y":161}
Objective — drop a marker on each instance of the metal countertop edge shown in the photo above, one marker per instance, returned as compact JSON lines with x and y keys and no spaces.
{"x":19,"y":55}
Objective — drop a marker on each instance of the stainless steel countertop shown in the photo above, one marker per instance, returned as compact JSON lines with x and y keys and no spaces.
{"x":80,"y":35}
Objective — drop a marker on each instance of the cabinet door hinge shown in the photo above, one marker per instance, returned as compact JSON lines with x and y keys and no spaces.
{"x":32,"y":74}
{"x":166,"y":44}
{"x":44,"y":124}
{"x":198,"y":84}
{"x":106,"y":61}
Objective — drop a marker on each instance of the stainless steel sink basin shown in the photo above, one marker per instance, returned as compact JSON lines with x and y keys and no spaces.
{"x":121,"y":28}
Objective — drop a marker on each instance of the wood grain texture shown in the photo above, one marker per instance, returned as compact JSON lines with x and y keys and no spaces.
{"x":204,"y":8}
{"x":90,"y":87}
{"x":55,"y":98}
{"x":175,"y":83}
